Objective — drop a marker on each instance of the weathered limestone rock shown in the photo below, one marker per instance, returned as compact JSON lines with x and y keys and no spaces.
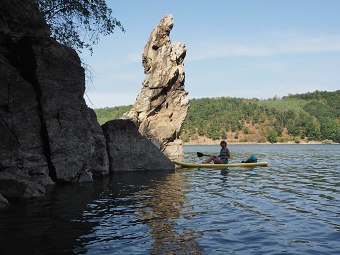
{"x":128,"y":150}
{"x":162,"y":104}
{"x":47,"y":132}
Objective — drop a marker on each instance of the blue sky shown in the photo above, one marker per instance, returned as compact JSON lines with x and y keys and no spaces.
{"x":240,"y":48}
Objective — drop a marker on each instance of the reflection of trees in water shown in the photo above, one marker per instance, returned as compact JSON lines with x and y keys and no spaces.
{"x":163,"y":209}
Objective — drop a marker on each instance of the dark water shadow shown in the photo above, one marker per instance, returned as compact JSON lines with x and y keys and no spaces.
{"x":54,"y":223}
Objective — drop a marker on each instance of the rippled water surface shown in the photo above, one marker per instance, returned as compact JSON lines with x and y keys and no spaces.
{"x":290,"y":207}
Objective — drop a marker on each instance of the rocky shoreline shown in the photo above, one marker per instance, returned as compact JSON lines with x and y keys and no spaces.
{"x":50,"y":136}
{"x":254,"y":143}
{"x":202,"y":140}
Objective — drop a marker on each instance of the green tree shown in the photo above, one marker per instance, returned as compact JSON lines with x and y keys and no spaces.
{"x":185,"y":137}
{"x":213,"y":132}
{"x":272,"y":136}
{"x":278,"y":129}
{"x":293,"y":128}
{"x":78,"y":23}
{"x":224,"y":135}
{"x":330,"y":129}
{"x":245,"y":130}
{"x":312,"y":129}
{"x":201,"y":130}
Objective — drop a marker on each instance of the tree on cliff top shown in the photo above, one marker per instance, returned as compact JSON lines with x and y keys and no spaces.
{"x":78,"y":23}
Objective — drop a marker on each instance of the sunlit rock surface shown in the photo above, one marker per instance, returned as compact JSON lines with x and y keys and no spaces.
{"x":162,"y":104}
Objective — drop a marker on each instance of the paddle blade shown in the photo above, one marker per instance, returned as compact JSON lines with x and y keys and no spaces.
{"x":199,"y":154}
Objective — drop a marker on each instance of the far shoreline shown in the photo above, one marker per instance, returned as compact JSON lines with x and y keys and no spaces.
{"x":254,"y":143}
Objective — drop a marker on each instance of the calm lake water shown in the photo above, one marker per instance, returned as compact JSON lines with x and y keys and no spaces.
{"x":290,"y":207}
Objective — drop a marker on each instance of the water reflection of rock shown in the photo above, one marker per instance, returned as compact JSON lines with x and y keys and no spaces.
{"x":163,"y":209}
{"x":49,"y":225}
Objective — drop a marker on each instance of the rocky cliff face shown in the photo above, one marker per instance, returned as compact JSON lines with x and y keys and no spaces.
{"x":128,"y":150}
{"x":162,"y":104}
{"x":47,"y":132}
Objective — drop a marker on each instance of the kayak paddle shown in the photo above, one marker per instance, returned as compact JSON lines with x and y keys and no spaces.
{"x":200,"y":154}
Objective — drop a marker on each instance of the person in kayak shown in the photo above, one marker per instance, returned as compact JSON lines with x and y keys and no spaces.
{"x":222,"y":158}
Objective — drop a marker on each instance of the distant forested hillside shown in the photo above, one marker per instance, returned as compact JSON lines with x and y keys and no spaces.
{"x":111,"y":113}
{"x":312,"y":116}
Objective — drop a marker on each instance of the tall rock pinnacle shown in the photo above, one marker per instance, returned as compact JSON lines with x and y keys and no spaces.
{"x":162,"y":104}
